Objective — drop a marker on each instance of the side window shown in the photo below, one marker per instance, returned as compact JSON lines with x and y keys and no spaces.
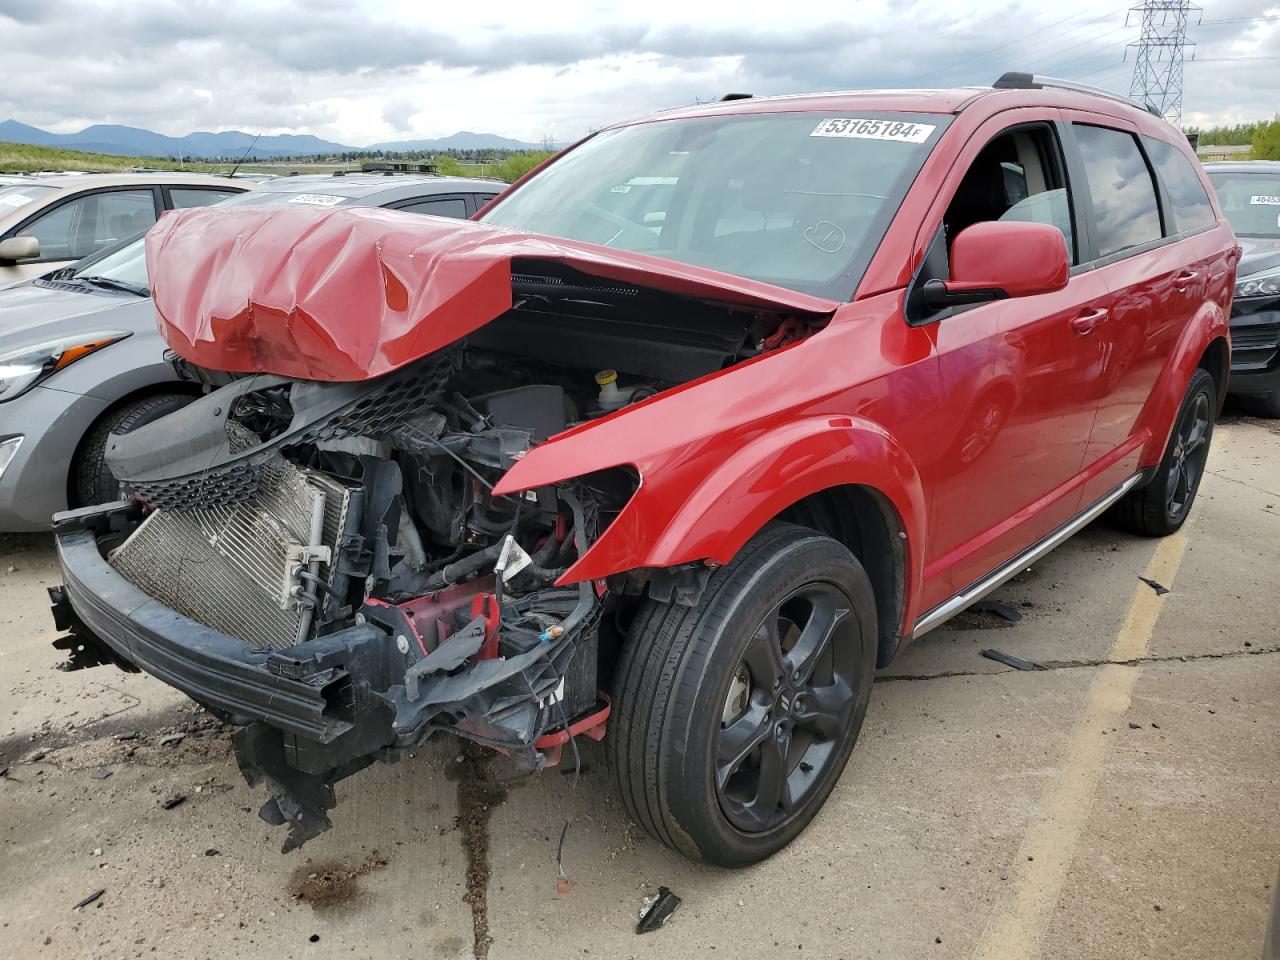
{"x":85,"y":225}
{"x":1018,"y":176}
{"x":452,"y":207}
{"x":1125,"y":210}
{"x":182,"y":197}
{"x":1182,"y":186}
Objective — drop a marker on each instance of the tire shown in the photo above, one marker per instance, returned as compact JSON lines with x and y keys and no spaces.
{"x":1162,"y":506}
{"x":692,"y":685}
{"x":1262,"y":404}
{"x":91,"y":479}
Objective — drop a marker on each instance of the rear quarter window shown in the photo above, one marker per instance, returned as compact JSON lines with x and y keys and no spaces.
{"x":1182,"y":186}
{"x":1125,"y":210}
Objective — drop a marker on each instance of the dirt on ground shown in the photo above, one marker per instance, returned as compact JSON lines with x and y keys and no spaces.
{"x":1118,"y":800}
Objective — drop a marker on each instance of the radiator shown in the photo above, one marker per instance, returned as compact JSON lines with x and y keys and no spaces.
{"x":229,"y":566}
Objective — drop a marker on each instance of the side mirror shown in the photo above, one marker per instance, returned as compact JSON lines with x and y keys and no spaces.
{"x":998,"y":259}
{"x":19,"y":248}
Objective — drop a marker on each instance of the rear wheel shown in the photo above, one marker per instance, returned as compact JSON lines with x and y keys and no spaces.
{"x":735,"y":717}
{"x":91,"y":480}
{"x":1163,"y":505}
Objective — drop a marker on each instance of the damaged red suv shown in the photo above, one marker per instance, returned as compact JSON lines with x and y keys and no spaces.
{"x":696,"y":427}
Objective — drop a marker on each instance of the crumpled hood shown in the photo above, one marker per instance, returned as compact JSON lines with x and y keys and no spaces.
{"x":32,"y":313}
{"x":1257,"y":254}
{"x":351,"y":293}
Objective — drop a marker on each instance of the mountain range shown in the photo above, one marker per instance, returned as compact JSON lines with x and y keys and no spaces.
{"x":137,"y":142}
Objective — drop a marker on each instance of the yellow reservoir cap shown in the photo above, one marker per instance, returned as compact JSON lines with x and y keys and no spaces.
{"x":606,"y":377}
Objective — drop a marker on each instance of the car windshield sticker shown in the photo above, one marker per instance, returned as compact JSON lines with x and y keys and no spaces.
{"x":1265,"y":201}
{"x":318,"y":199}
{"x":900,"y":130}
{"x":16,"y":200}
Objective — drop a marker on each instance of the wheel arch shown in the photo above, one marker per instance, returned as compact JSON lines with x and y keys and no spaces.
{"x":140,"y":393}
{"x":864,"y":520}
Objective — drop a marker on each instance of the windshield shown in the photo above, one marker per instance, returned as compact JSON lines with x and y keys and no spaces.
{"x":13,"y":198}
{"x":794,"y":199}
{"x":1250,"y":201}
{"x":128,"y":265}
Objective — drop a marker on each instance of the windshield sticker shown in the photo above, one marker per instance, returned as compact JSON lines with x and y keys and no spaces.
{"x":1265,"y":201}
{"x":900,"y":130}
{"x":318,"y":199}
{"x":16,"y":200}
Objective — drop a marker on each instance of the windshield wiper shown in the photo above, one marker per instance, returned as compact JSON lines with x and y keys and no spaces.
{"x":108,"y":283}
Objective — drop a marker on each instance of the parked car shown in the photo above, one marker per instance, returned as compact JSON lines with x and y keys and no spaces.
{"x":677,"y":472}
{"x":1249,"y":192}
{"x":81,"y":358}
{"x":51,"y":221}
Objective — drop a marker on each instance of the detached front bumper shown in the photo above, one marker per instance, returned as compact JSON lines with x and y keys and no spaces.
{"x":312,"y":714}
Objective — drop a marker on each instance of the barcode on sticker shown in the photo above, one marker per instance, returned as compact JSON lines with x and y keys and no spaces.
{"x":1265,"y":201}
{"x":903,"y":131}
{"x":318,"y":199}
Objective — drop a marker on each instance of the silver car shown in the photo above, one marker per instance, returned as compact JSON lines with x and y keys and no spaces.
{"x":51,"y":220}
{"x":81,"y":357}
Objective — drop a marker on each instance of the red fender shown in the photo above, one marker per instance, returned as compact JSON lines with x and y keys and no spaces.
{"x":1161,"y":409}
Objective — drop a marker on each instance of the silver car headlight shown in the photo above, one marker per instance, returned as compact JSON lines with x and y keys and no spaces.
{"x":1259,"y":285}
{"x":23,"y":368}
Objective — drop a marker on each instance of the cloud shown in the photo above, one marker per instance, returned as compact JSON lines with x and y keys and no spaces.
{"x":359,"y":72}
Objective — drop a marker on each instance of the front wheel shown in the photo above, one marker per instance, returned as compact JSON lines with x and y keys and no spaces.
{"x":735,"y":717}
{"x":1163,"y":505}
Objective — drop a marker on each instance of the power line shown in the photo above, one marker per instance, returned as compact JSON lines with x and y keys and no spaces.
{"x":985,"y":54}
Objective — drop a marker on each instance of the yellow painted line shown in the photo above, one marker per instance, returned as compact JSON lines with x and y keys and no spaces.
{"x":1048,"y":847}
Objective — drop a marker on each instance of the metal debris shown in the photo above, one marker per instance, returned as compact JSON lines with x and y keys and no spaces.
{"x":1159,"y":588}
{"x":1001,"y":610}
{"x":657,"y":910}
{"x":175,"y":800}
{"x":90,"y":898}
{"x":172,"y":739}
{"x":1009,"y":660}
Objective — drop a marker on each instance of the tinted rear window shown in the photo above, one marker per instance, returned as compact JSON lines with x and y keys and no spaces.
{"x":1125,"y":210}
{"x":1182,"y":185}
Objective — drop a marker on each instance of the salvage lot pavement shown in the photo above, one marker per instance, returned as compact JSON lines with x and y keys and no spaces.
{"x":1123,"y":803}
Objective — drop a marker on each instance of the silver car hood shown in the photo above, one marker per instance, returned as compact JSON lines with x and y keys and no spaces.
{"x":33,"y":313}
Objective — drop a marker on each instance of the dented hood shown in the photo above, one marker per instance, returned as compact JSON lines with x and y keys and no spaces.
{"x":353,"y":293}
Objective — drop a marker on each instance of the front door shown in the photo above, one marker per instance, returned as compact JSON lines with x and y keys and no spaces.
{"x":1020,"y":378}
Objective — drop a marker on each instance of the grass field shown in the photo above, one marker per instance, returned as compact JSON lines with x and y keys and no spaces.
{"x":24,"y":158}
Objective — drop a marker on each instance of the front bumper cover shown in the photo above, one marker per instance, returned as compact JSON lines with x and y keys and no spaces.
{"x":313,"y":714}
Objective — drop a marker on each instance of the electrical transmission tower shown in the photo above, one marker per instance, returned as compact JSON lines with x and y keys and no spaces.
{"x":1161,"y":51}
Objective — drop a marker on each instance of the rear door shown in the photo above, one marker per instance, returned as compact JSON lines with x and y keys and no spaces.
{"x":1144,"y":246}
{"x":1018,"y":377}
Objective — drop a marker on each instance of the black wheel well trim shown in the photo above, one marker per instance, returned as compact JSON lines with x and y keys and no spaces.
{"x":1216,"y":359}
{"x":142,"y":393}
{"x":864,"y":520}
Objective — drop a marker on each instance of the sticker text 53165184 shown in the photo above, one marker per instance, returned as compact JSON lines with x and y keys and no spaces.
{"x":903,"y":131}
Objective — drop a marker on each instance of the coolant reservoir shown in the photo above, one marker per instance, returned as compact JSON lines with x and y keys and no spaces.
{"x":610,"y":398}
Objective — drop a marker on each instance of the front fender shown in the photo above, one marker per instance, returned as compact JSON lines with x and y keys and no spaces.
{"x":1161,"y":409}
{"x":707,"y":500}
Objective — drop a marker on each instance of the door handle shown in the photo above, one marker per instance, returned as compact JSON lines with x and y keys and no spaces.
{"x":1088,"y":321}
{"x":1186,"y":280}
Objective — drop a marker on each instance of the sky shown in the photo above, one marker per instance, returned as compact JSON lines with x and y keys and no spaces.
{"x":364,"y":71}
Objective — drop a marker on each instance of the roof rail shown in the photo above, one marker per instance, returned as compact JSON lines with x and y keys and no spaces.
{"x":1014,"y":80}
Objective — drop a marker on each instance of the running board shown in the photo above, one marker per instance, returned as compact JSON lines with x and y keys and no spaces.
{"x":971,"y":595}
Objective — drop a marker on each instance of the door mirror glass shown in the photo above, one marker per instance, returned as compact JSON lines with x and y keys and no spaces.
{"x":19,"y":248}
{"x":998,"y":259}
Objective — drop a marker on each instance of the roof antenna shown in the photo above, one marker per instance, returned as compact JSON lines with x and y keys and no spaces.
{"x":246,"y":153}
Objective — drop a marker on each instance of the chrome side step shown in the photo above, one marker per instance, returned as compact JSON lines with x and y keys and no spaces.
{"x":972,"y":594}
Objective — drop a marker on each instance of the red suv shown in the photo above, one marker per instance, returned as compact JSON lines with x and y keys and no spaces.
{"x":694,"y":429}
